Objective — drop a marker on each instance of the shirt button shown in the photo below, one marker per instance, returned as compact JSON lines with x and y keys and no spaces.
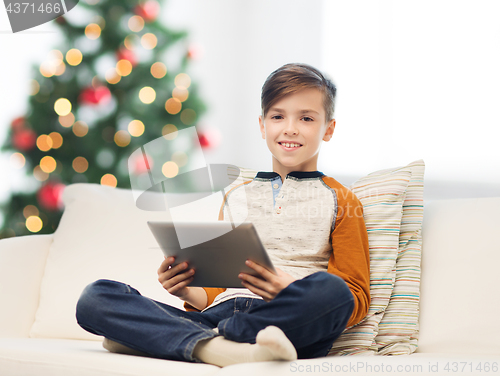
{"x":275,"y":186}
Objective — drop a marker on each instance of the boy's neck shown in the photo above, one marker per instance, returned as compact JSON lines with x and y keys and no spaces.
{"x":284,"y":172}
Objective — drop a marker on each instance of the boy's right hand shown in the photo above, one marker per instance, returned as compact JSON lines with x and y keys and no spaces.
{"x":175,"y":279}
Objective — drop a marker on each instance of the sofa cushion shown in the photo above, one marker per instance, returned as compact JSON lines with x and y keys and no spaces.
{"x":382,"y":194}
{"x":102,"y":234}
{"x":460,"y":279}
{"x":63,"y":357}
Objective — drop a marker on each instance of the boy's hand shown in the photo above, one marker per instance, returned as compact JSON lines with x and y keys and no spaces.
{"x":175,"y":279}
{"x":269,"y":284}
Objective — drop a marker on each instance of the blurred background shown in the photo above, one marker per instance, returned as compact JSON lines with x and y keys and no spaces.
{"x":415,"y":80}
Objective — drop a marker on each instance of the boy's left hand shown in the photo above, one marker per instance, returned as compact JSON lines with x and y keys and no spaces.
{"x":269,"y":284}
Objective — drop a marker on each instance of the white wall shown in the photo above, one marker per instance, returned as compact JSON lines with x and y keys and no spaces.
{"x":417,"y":80}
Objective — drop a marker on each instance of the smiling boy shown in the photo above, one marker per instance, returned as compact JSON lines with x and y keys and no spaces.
{"x":312,"y":228}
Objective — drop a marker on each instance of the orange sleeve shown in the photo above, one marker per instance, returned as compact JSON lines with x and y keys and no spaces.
{"x":350,"y":259}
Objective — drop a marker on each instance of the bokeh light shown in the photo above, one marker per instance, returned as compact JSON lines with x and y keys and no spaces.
{"x":158,"y":70}
{"x":147,"y":95}
{"x":74,"y":57}
{"x":170,"y":169}
{"x":34,"y":223}
{"x":80,"y":164}
{"x":136,"y":23}
{"x":48,"y":164}
{"x":180,"y":158}
{"x":112,"y":76}
{"x":30,"y":210}
{"x":60,"y":69}
{"x":180,"y":93}
{"x":149,"y":41}
{"x":67,"y":120}
{"x":169,"y":131}
{"x":39,"y":174}
{"x":34,"y":87}
{"x":188,"y":116}
{"x":17,"y":160}
{"x":44,"y":142}
{"x":122,"y":138}
{"x":130,"y":41}
{"x":62,"y":106}
{"x":173,"y":106}
{"x":93,"y":31}
{"x":136,"y":128}
{"x":109,"y":180}
{"x":124,"y":67}
{"x":182,"y":81}
{"x":80,"y":129}
{"x":57,"y":140}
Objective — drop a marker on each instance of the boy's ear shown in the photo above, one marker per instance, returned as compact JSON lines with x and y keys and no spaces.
{"x":262,"y":128}
{"x":330,"y":127}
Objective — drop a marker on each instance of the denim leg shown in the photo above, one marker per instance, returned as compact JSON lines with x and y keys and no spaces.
{"x":312,"y":312}
{"x":119,"y":312}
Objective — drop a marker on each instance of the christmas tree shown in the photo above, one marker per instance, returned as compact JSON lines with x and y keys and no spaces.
{"x":118,"y":81}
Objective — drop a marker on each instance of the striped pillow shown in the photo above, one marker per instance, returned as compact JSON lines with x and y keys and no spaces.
{"x":398,"y":329}
{"x":382,"y":194}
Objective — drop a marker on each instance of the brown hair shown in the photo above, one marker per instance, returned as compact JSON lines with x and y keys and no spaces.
{"x":292,"y":77}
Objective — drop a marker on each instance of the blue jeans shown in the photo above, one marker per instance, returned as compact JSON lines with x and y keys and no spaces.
{"x":312,"y":312}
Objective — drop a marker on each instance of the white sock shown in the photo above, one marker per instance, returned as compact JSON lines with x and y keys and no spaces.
{"x":272,"y":344}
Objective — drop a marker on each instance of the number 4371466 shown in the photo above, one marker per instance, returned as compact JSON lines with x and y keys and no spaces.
{"x":32,"y":8}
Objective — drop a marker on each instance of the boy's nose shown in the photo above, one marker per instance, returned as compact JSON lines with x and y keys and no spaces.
{"x":290,"y":128}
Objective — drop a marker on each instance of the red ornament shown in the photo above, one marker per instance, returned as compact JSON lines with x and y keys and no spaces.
{"x":50,"y":196}
{"x":148,"y":10}
{"x":194,"y":52}
{"x":126,"y":54}
{"x":209,"y":138}
{"x":24,"y":139}
{"x":18,"y":124}
{"x":98,"y":95}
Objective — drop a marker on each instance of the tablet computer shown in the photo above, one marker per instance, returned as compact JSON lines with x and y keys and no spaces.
{"x":218,"y":261}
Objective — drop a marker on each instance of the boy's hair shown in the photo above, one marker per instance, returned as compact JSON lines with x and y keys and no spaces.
{"x":292,"y":77}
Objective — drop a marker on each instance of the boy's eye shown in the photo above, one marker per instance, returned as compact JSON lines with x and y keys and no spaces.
{"x":275,"y":116}
{"x":307,"y":117}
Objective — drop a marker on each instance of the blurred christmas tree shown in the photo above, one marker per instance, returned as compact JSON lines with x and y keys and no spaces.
{"x":108,"y":90}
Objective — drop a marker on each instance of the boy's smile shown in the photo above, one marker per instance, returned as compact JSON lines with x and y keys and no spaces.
{"x":294,"y":128}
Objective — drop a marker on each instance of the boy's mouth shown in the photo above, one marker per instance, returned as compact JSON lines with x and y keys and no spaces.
{"x":290,"y":145}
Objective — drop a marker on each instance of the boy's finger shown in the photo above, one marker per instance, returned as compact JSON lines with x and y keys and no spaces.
{"x":266,"y":274}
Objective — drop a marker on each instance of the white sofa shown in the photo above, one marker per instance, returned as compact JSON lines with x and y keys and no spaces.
{"x":41,"y":276}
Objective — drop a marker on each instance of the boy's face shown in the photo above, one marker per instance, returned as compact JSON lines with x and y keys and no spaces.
{"x":288,"y":122}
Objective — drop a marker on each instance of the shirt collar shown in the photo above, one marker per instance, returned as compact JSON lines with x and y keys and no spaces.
{"x":296,"y":174}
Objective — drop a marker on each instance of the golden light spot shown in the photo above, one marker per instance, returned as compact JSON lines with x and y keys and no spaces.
{"x":124,"y":67}
{"x":136,"y":128}
{"x":34,"y":223}
{"x":182,"y":81}
{"x":17,"y":160}
{"x":56,"y":56}
{"x":30,"y":210}
{"x":109,"y":180}
{"x":136,"y":23}
{"x":74,"y":57}
{"x":158,"y":70}
{"x":173,"y":106}
{"x":80,"y":164}
{"x":112,"y":76}
{"x":149,"y":41}
{"x":67,"y":120}
{"x":188,"y":116}
{"x":34,"y":87}
{"x":180,"y":158}
{"x":57,"y":140}
{"x":93,"y":31}
{"x":169,"y":131}
{"x":62,"y":106}
{"x":122,"y":138}
{"x":80,"y":129}
{"x":44,"y":142}
{"x":39,"y":174}
{"x":170,"y":169}
{"x":180,"y":94}
{"x":147,"y":95}
{"x":48,"y":164}
{"x":130,"y":41}
{"x":60,"y":69}
{"x":47,"y":69}
{"x":100,"y":21}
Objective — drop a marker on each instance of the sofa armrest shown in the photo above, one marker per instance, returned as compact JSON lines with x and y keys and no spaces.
{"x":22,"y":264}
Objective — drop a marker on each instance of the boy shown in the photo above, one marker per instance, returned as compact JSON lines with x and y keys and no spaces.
{"x":311,"y":226}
